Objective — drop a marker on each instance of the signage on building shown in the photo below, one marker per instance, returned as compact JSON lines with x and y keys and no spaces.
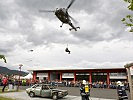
{"x":118,"y":75}
{"x":67,"y":75}
{"x":82,"y":74}
{"x":42,"y":74}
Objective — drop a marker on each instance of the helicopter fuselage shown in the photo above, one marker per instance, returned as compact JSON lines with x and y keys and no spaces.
{"x":62,"y":15}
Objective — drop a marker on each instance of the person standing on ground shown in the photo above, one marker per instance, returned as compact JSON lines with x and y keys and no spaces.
{"x":85,"y":91}
{"x":5,"y":81}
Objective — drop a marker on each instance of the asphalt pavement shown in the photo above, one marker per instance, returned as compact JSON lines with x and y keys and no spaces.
{"x":24,"y":96}
{"x":94,"y":92}
{"x":74,"y":94}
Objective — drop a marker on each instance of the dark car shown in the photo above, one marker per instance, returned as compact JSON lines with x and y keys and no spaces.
{"x":46,"y":90}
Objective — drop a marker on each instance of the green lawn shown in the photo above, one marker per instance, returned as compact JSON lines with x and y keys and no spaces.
{"x":3,"y":98}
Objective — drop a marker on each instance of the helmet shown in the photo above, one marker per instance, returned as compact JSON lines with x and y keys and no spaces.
{"x":120,"y":83}
{"x":84,"y":82}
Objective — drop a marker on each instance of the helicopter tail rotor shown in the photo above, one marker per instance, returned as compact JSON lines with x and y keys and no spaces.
{"x":72,"y":1}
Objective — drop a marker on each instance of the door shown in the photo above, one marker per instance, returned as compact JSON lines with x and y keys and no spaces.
{"x":45,"y":92}
{"x":38,"y":90}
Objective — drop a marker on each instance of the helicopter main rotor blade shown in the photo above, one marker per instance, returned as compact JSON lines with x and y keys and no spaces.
{"x":46,"y":11}
{"x":72,"y":1}
{"x":73,"y":19}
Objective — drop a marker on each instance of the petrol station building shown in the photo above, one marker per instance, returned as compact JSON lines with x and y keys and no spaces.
{"x":76,"y":74}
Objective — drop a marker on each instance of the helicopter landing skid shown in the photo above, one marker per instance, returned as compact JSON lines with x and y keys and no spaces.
{"x":74,"y":28}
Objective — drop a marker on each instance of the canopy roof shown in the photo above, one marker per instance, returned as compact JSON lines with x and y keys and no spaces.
{"x":29,"y":76}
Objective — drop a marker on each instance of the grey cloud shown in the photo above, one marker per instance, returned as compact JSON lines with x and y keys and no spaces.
{"x":7,"y":47}
{"x":104,"y":12}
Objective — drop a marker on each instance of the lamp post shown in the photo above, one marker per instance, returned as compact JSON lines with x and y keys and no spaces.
{"x":128,"y":66}
{"x":20,"y":65}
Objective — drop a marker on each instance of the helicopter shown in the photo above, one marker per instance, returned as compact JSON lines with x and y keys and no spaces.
{"x":63,"y":16}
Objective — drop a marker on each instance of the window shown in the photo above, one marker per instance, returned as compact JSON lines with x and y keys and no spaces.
{"x":118,"y":74}
{"x":99,"y":73}
{"x":45,"y":87}
{"x":82,"y":74}
{"x":68,"y":75}
{"x":38,"y":87}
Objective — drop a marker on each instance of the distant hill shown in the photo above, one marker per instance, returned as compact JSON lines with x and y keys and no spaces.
{"x":5,"y":70}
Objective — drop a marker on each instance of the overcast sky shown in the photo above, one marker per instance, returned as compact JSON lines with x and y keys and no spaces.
{"x":102,"y":40}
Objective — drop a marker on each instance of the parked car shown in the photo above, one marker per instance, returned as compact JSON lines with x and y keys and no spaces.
{"x":46,"y":90}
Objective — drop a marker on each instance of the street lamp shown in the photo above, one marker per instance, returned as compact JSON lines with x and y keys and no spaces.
{"x":20,"y":65}
{"x":128,"y":66}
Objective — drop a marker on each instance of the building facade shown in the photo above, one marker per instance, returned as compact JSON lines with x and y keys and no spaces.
{"x":91,"y":75}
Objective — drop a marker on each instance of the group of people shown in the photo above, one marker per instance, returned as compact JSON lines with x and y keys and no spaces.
{"x":112,"y":85}
{"x":5,"y":80}
{"x":120,"y":86}
{"x":98,"y":84}
{"x":11,"y":81}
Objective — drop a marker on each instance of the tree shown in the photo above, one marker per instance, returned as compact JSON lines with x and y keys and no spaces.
{"x":128,"y":20}
{"x":3,"y":57}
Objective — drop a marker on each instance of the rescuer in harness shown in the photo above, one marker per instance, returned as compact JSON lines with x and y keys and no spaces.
{"x":85,"y":91}
{"x":67,"y":50}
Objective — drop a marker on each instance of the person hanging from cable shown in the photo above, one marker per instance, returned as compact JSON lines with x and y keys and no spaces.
{"x":67,"y":50}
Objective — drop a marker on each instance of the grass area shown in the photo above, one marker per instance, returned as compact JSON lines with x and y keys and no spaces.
{"x":3,"y":98}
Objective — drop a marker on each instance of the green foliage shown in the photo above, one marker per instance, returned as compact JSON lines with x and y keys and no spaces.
{"x":128,"y":20}
{"x":3,"y":57}
{"x":130,"y":6}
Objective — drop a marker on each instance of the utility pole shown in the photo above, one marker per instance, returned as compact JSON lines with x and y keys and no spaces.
{"x":20,"y":65}
{"x":128,"y":66}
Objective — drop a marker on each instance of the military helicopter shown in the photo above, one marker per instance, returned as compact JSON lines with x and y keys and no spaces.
{"x":63,"y":16}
